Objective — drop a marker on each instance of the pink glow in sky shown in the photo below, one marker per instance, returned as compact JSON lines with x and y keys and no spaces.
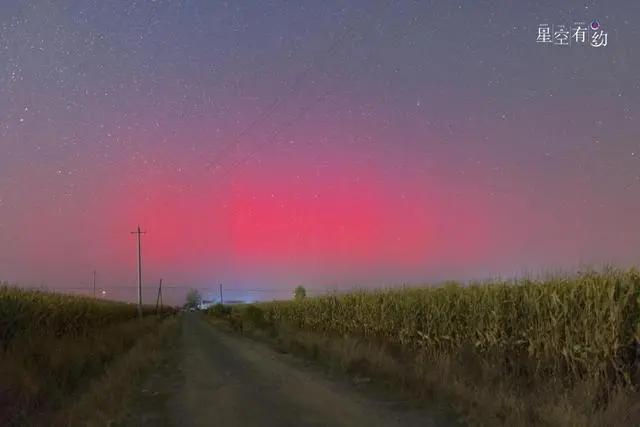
{"x":325,"y":144}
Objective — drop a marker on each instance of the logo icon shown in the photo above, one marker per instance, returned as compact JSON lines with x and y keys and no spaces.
{"x":579,"y":34}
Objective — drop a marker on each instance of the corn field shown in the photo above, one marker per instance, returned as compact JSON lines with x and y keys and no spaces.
{"x":27,"y":312}
{"x":580,"y":327}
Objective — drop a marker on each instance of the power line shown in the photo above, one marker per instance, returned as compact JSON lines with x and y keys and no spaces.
{"x":285,"y":125}
{"x":294,"y":88}
{"x":186,"y":288}
{"x":279,"y":100}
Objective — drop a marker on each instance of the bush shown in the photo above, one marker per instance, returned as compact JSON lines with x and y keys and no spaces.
{"x":193,"y":299}
{"x":255,"y":316}
{"x":219,"y":310}
{"x":299,"y":293}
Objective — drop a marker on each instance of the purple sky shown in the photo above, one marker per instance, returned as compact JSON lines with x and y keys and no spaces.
{"x":332,"y":144}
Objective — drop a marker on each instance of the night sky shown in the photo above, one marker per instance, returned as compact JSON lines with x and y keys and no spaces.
{"x":335,"y":144}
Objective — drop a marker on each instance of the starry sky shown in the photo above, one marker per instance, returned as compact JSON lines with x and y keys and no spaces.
{"x":334,"y":144}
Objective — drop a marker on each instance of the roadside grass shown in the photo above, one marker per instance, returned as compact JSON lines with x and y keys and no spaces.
{"x":558,"y":352}
{"x":108,"y":397}
{"x":41,"y":373}
{"x":480,"y":393}
{"x":477,"y":390}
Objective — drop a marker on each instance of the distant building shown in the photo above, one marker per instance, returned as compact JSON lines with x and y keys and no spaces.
{"x":206,"y":304}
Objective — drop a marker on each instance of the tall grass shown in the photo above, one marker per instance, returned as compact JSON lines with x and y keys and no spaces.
{"x":566,"y":329}
{"x":28,"y":312}
{"x":53,"y":345}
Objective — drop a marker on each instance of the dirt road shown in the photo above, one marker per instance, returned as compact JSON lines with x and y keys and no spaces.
{"x":218,"y":379}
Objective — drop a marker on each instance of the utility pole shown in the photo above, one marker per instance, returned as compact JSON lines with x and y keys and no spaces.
{"x":94,"y":283}
{"x":138,"y":232}
{"x":221,"y":301}
{"x":158,"y":298}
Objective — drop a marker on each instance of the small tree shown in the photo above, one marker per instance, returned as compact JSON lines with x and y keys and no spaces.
{"x":299,"y":293}
{"x":193,"y":298}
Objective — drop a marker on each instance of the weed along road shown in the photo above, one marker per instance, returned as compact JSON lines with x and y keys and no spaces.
{"x":215,"y":378}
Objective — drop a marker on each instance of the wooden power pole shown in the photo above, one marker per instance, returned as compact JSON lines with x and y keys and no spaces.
{"x":159,"y":297}
{"x":139,"y":233}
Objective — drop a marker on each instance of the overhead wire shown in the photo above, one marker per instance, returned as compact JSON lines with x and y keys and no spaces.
{"x":278,"y":101}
